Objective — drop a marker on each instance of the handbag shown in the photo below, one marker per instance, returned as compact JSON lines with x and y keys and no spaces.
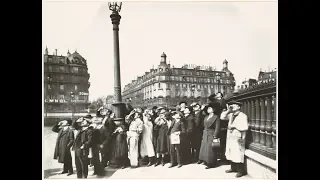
{"x":216,"y":144}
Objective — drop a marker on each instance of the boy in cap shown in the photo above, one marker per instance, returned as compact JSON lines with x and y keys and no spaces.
{"x":176,"y":130}
{"x":64,"y":142}
{"x":237,"y":127}
{"x":81,"y":147}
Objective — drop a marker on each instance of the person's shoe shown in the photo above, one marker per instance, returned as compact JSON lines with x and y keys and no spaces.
{"x":63,"y":172}
{"x":239,"y":175}
{"x":122,"y":167}
{"x":171,"y":165}
{"x":94,"y":173}
{"x":180,"y":165}
{"x":149,"y":164}
{"x":199,"y":162}
{"x":230,"y":171}
{"x":69,"y":174}
{"x":158,"y":162}
{"x":90,"y":165}
{"x":162,"y":162}
{"x":133,"y":167}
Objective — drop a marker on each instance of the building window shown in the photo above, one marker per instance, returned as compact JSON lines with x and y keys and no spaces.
{"x":208,"y":80}
{"x":180,"y":78}
{"x":75,"y":87}
{"x":184,"y":85}
{"x":198,"y":73}
{"x":62,"y":77}
{"x":61,"y":96}
{"x":211,"y":86}
{"x":188,"y":79}
{"x":75,"y":69}
{"x":159,"y":85}
{"x":199,"y":86}
{"x":177,"y":85}
{"x":49,"y":86}
{"x":50,"y":59}
{"x":50,"y":68}
{"x":61,"y":87}
{"x":205,"y":86}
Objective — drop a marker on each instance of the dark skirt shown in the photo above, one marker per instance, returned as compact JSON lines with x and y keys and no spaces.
{"x":163,"y":143}
{"x":207,"y":154}
{"x":196,"y":139}
{"x":120,"y":147}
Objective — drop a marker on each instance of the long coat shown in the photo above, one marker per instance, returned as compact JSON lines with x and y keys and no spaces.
{"x":235,"y":146}
{"x":146,"y":146}
{"x":84,"y":137}
{"x":198,"y":130}
{"x":163,"y":141}
{"x":64,"y":142}
{"x":211,"y":130}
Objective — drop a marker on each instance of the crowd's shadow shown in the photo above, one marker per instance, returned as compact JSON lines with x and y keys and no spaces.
{"x":51,"y":172}
{"x":108,"y":172}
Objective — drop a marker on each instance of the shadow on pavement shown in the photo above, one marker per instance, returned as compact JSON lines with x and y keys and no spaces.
{"x":108,"y":172}
{"x":51,"y":172}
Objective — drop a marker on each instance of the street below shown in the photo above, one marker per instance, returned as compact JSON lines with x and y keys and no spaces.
{"x":52,"y":168}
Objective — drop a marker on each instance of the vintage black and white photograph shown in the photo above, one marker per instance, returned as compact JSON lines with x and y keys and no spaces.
{"x":160,"y":89}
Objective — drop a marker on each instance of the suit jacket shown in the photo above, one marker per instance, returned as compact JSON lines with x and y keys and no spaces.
{"x":189,"y":124}
{"x":64,"y":142}
{"x":84,"y":137}
{"x":177,"y":126}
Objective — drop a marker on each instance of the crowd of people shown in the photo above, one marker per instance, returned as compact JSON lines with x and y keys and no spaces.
{"x":195,"y":133}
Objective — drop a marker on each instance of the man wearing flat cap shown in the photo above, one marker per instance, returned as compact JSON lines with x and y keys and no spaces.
{"x":64,"y":143}
{"x":237,"y":127}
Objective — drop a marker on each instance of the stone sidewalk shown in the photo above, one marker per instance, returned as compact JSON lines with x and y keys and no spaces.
{"x":190,"y":171}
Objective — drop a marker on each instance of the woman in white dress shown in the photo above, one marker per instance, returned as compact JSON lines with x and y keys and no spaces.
{"x":146,"y":146}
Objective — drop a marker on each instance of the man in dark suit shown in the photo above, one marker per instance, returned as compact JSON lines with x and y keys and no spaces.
{"x":198,"y":131}
{"x":223,"y":126}
{"x":64,"y":142}
{"x":176,"y":131}
{"x":189,"y":125}
{"x":81,"y":147}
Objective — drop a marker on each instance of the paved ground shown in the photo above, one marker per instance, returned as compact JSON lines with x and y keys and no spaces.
{"x":192,"y":171}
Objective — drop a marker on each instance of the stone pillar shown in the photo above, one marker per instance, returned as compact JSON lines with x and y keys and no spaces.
{"x":274,"y":129}
{"x":257,"y":124}
{"x":263,"y":123}
{"x":118,"y":105}
{"x":268,"y":123}
{"x":253,"y":120}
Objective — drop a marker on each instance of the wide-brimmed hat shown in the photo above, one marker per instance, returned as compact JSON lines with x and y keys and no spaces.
{"x":213,"y":105}
{"x":235,"y":102}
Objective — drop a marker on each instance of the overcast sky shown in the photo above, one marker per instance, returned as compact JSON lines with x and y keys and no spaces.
{"x":202,"y":33}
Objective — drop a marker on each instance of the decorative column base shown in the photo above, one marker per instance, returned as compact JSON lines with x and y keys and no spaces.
{"x":119,"y":111}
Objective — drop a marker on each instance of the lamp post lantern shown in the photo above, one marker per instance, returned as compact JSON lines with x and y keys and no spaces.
{"x":115,"y":7}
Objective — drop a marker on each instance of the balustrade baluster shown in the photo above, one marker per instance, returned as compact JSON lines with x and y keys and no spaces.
{"x":257,"y":124}
{"x":274,"y":129}
{"x":268,"y":123}
{"x":263,"y":122}
{"x":253,"y":120}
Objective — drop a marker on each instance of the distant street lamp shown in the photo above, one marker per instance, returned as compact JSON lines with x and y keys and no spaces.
{"x":218,"y":79}
{"x":48,"y":80}
{"x":73,"y":106}
{"x":193,"y":88}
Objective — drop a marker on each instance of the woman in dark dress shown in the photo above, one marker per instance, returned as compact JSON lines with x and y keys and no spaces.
{"x":163,"y":143}
{"x":208,"y":156}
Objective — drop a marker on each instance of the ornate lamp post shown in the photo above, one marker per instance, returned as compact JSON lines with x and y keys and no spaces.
{"x":115,"y":7}
{"x":218,"y":79}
